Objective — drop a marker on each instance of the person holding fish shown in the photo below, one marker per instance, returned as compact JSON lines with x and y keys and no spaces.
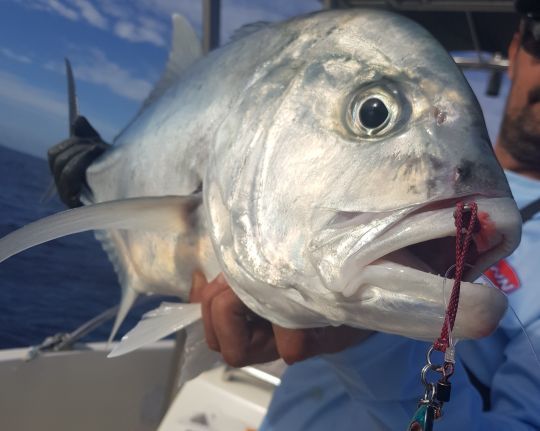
{"x":349,"y":378}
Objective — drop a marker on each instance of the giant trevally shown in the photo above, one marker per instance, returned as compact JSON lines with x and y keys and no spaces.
{"x":316,"y":163}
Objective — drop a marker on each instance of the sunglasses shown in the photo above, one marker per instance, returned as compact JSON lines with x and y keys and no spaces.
{"x":530,"y":36}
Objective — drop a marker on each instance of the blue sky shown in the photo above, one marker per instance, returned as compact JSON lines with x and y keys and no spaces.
{"x":118,"y":49}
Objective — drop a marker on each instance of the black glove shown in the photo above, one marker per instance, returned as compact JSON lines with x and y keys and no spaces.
{"x":69,"y":160}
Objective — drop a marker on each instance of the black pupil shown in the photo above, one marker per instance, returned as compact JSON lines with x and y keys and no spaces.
{"x":373,"y":113}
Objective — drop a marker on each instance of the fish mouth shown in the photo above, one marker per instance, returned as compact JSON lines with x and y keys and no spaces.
{"x":436,"y":256}
{"x":396,"y":283}
{"x":425,"y":240}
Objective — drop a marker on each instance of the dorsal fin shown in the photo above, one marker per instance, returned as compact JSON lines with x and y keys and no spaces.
{"x":73,"y":110}
{"x":248,"y":29}
{"x":185,"y":50}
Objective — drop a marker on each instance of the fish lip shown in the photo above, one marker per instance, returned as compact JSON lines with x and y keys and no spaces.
{"x":418,"y":310}
{"x":506,"y":241}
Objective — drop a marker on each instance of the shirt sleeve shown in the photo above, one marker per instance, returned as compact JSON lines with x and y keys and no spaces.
{"x":506,"y":362}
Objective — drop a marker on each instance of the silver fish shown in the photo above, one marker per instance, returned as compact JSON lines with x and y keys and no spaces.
{"x":317,"y":164}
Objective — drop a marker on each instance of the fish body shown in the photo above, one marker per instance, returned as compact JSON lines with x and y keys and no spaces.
{"x":321,"y":160}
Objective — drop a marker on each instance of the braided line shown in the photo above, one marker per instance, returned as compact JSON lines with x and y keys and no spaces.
{"x":463,"y":242}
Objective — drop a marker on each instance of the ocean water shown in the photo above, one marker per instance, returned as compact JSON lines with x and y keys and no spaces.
{"x":57,"y":286}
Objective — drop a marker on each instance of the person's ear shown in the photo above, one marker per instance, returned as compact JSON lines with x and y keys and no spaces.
{"x":512,"y":54}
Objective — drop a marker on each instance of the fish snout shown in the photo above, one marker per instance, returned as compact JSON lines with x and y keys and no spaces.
{"x":482,"y":176}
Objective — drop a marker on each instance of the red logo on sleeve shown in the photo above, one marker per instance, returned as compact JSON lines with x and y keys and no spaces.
{"x":503,"y":276}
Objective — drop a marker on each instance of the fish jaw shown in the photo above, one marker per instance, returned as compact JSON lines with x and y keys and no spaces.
{"x":390,"y":283}
{"x":402,"y":300}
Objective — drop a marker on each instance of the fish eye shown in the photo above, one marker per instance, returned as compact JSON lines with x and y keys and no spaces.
{"x":373,"y":112}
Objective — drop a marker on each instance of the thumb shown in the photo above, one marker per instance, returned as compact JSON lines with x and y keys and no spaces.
{"x":198,"y":283}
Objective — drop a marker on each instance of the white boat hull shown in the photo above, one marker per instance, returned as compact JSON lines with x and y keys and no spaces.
{"x":83,"y":390}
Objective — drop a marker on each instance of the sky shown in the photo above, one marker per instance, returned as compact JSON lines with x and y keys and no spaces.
{"x":118,"y":49}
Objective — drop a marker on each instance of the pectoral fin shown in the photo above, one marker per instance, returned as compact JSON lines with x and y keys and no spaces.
{"x":166,"y":213}
{"x":157,"y":324}
{"x":169,"y":213}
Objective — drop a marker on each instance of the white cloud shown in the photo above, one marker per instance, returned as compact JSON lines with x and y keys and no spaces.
{"x":73,"y":10}
{"x":32,"y":119}
{"x":148,"y":21}
{"x":21,"y":92}
{"x":100,"y":70}
{"x":93,"y":66}
{"x":91,"y":14}
{"x":115,"y":9}
{"x":59,"y":8}
{"x":8,"y":53}
{"x":54,"y":67}
{"x":138,"y":33}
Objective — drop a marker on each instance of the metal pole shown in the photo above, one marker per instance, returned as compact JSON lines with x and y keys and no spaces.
{"x":474,"y":36}
{"x":211,"y":24}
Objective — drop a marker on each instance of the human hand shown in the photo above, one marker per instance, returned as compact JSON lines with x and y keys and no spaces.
{"x":244,"y":338}
{"x":230,"y":328}
{"x":69,"y":160}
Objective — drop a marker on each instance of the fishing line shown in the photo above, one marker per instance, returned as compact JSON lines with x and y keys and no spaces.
{"x":437,"y":393}
{"x":449,"y":355}
{"x":487,"y":282}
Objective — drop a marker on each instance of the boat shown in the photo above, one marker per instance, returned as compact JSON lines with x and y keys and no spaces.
{"x":64,"y":384}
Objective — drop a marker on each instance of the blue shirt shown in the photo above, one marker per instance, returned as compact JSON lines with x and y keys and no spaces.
{"x":376,"y":384}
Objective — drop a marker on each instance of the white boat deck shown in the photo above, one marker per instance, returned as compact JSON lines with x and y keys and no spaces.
{"x":83,"y":390}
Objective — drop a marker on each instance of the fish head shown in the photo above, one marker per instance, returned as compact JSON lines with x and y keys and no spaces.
{"x":336,"y":174}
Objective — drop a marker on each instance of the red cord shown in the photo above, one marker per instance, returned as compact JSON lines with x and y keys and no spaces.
{"x":463,"y":242}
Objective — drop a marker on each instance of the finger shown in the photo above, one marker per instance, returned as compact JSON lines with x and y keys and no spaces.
{"x":333,"y":339}
{"x":198,"y":283}
{"x":208,"y":294}
{"x":241,"y":342}
{"x":262,"y":347}
{"x":292,"y":344}
{"x":296,"y":345}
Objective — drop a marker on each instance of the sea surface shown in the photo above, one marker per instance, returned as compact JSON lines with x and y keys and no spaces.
{"x":57,"y":286}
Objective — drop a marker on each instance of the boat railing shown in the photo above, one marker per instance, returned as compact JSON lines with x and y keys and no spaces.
{"x":65,"y":340}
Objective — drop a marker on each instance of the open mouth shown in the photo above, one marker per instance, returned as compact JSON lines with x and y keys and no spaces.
{"x":436,"y":256}
{"x":425,"y":240}
{"x":386,"y":271}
